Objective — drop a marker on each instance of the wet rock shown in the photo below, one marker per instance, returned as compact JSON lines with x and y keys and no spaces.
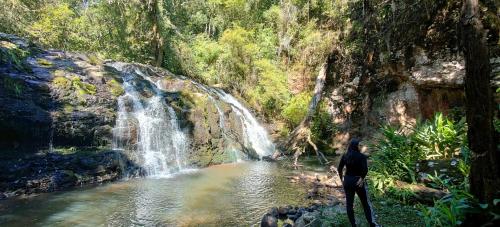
{"x":282,"y":212}
{"x":268,"y":158}
{"x":274,"y":212}
{"x":63,"y":178}
{"x":293,"y":217}
{"x":269,"y":221}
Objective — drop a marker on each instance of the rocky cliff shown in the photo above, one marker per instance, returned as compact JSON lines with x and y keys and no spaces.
{"x":410,"y":67}
{"x":55,"y":106}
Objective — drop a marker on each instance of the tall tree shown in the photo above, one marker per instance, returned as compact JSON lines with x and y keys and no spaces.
{"x":485,"y":166}
{"x":154,"y":12}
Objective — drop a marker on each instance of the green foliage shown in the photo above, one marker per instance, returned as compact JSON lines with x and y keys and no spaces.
{"x":448,"y":211}
{"x":296,"y":109}
{"x":11,"y":54}
{"x":436,"y":139}
{"x":271,"y":92}
{"x":397,"y":154}
{"x":13,"y":86}
{"x":441,"y":138}
{"x":56,"y":25}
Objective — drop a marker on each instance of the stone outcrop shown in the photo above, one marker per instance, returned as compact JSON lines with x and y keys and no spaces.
{"x":52,"y":172}
{"x":53,"y":101}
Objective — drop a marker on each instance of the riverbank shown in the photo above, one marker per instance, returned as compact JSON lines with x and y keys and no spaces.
{"x":42,"y":172}
{"x":326,"y":200}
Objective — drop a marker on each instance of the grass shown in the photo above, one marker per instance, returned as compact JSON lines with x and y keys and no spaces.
{"x":388,"y":213}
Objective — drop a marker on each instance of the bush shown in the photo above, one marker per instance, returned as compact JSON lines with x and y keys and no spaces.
{"x":441,"y":137}
{"x":397,"y":154}
{"x":296,"y":109}
{"x":448,"y":211}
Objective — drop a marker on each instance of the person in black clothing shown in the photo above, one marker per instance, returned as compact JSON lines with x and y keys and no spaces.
{"x":354,"y":181}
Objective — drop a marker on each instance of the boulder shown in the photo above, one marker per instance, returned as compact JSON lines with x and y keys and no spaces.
{"x":269,"y":221}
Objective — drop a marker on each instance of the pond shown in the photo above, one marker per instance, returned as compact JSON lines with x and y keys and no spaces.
{"x":225,"y":195}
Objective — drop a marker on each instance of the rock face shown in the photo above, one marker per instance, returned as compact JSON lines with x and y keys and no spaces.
{"x":52,"y":101}
{"x":51,"y":172}
{"x":57,"y":97}
{"x":405,"y":81}
{"x":62,"y":99}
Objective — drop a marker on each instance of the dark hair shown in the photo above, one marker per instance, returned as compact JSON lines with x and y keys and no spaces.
{"x":353,"y":147}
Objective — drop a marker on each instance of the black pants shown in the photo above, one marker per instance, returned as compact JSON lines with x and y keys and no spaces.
{"x":350,"y":189}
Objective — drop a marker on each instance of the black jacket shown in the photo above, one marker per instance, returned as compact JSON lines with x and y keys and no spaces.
{"x":356,"y":167}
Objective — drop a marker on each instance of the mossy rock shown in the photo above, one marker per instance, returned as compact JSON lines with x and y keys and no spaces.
{"x":115,"y":88}
{"x":44,"y":62}
{"x":83,"y":88}
{"x":10,"y":53}
{"x":62,"y":82}
{"x":14,"y":86}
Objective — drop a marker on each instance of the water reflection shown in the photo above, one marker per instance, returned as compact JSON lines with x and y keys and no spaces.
{"x":225,"y":195}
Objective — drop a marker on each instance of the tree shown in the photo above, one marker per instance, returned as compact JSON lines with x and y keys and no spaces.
{"x":154,"y":12}
{"x":485,"y":168}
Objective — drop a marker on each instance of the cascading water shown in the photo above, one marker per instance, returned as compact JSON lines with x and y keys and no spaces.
{"x":255,"y":135}
{"x":210,"y":91}
{"x":148,"y":125}
{"x":159,"y":140}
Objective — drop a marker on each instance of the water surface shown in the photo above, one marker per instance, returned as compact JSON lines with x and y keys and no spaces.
{"x":225,"y":195}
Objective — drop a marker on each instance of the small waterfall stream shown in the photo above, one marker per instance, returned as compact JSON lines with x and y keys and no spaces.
{"x":255,"y":136}
{"x":161,"y":144}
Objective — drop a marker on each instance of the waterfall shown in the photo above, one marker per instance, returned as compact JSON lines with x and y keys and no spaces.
{"x":255,"y":136}
{"x":160,"y":143}
{"x":148,"y":125}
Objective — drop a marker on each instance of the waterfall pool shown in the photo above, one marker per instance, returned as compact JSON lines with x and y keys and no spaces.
{"x":236,"y":194}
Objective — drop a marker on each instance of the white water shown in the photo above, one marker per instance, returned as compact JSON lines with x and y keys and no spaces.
{"x":254,"y":134}
{"x":160,"y":142}
{"x":150,"y":125}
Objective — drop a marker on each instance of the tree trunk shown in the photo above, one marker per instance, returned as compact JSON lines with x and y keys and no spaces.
{"x":301,"y":135}
{"x":485,"y":171}
{"x":154,"y":12}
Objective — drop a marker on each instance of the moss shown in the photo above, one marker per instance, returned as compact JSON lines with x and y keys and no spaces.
{"x":83,"y":88}
{"x":68,"y":108}
{"x":13,"y":86}
{"x":10,"y":53}
{"x":44,"y":62}
{"x":62,"y":82}
{"x":94,"y":59}
{"x":115,"y":88}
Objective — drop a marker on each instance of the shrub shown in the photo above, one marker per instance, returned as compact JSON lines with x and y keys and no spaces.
{"x":448,"y":211}
{"x":296,"y":109}
{"x":441,"y":137}
{"x":396,"y":153}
